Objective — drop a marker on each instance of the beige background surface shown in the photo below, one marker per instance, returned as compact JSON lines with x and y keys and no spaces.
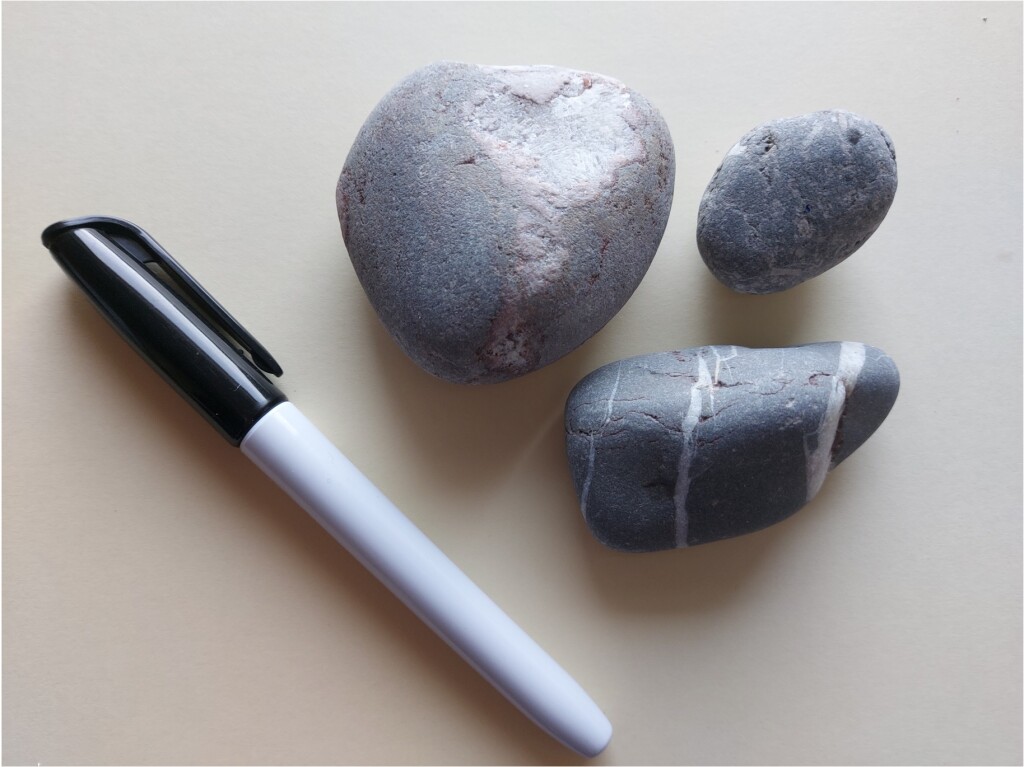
{"x":164,"y":603}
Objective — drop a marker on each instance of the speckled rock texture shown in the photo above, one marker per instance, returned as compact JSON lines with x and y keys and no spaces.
{"x":497,"y":217}
{"x":682,"y":448}
{"x":794,"y":198}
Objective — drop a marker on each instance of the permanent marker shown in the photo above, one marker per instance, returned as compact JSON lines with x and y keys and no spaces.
{"x":202,"y":351}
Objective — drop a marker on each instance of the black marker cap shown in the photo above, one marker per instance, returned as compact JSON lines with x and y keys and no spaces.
{"x":179,"y":328}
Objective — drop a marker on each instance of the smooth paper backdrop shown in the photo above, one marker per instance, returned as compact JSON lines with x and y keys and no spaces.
{"x":164,"y":603}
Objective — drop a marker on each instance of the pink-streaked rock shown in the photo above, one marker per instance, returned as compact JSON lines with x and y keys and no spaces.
{"x":497,"y":217}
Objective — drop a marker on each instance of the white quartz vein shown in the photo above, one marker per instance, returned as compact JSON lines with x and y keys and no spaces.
{"x":689,"y":447}
{"x":720,"y":360}
{"x":559,"y":139}
{"x":585,"y":491}
{"x":819,"y":458}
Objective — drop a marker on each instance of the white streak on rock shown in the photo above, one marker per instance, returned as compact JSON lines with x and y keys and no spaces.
{"x":819,"y":459}
{"x":690,"y":420}
{"x":585,"y":491}
{"x":558,"y":135}
{"x":720,"y":360}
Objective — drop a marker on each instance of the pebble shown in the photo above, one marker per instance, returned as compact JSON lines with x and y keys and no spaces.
{"x":498,"y":217}
{"x":680,"y":448}
{"x":794,"y":198}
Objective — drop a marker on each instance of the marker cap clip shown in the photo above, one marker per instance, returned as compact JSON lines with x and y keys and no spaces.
{"x":170,"y":319}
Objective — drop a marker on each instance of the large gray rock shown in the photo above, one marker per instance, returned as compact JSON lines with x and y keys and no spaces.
{"x":794,"y":198}
{"x":681,"y":448}
{"x":497,"y":217}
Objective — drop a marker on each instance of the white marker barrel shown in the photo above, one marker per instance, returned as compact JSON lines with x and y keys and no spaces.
{"x":304,"y":463}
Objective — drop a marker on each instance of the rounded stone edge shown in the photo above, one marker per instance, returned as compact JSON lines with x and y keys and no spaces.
{"x":660,"y":150}
{"x":752,"y":286}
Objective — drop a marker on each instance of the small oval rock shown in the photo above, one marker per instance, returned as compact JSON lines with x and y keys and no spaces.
{"x":681,"y":448}
{"x":793,"y":198}
{"x":497,"y":217}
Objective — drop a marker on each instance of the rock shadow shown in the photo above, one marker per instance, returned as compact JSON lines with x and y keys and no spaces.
{"x":470,"y":435}
{"x":777,"y":319}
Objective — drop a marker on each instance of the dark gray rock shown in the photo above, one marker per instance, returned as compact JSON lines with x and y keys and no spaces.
{"x":497,"y":217}
{"x":794,"y":198}
{"x":681,"y":448}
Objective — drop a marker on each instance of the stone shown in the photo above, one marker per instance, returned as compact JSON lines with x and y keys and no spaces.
{"x":497,"y":217}
{"x":794,"y":198}
{"x":681,"y":448}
